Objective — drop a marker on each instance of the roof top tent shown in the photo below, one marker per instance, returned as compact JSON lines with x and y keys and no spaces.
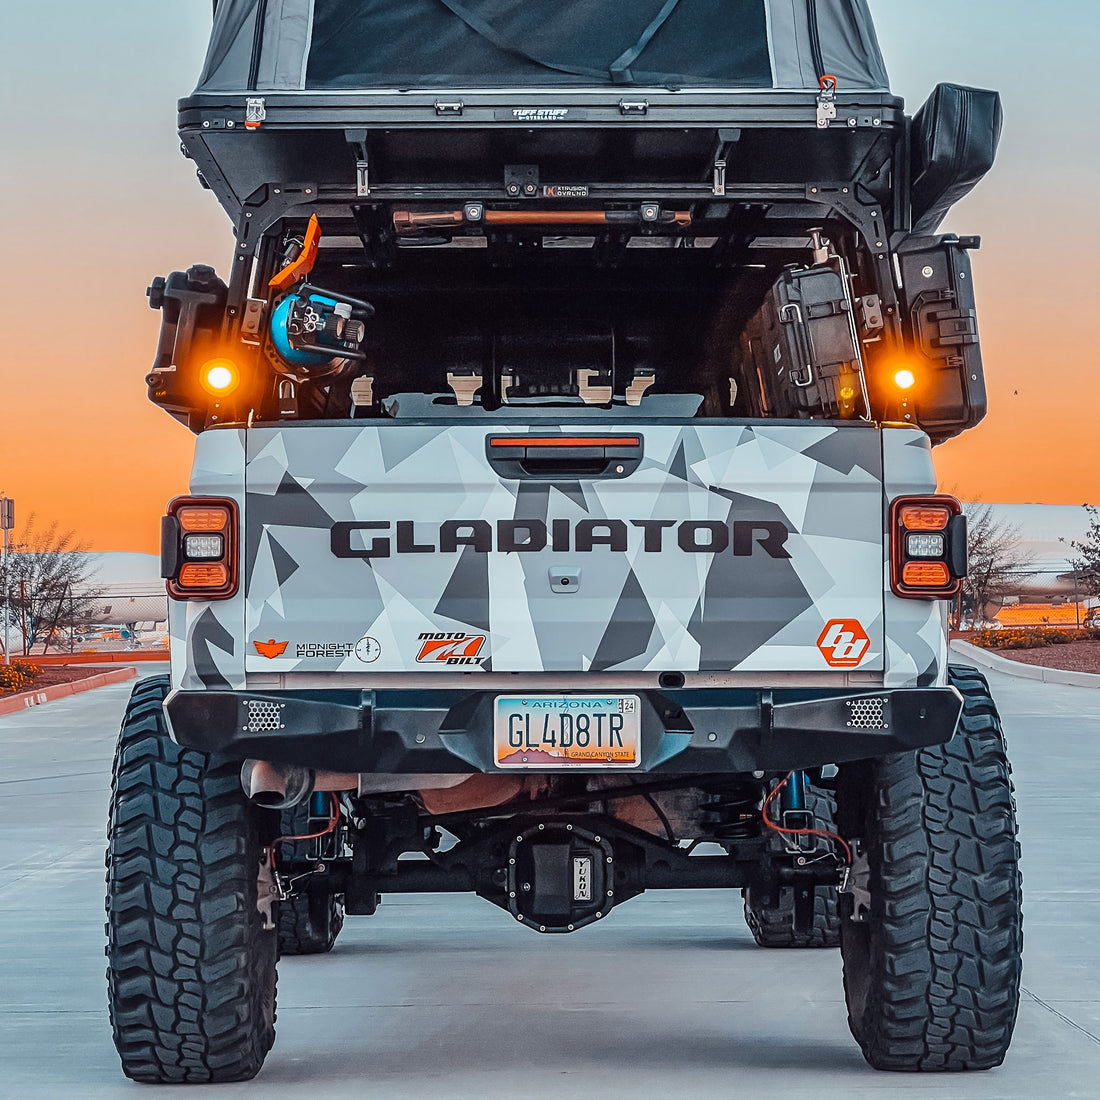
{"x":439,"y":86}
{"x":655,"y":161}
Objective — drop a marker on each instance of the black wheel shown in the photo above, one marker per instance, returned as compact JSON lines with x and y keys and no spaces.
{"x":773,"y":925}
{"x":310,"y":921}
{"x":191,"y":953}
{"x":931,"y":934}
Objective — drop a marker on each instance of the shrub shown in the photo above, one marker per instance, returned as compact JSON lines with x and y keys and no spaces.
{"x":18,"y":676}
{"x":1029,"y":637}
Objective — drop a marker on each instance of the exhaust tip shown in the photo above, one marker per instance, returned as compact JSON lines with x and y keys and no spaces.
{"x":275,"y":786}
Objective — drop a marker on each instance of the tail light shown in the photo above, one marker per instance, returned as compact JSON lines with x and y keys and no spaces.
{"x":927,"y":547}
{"x":198,"y":548}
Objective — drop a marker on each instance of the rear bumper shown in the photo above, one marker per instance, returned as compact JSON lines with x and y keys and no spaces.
{"x":685,"y":731}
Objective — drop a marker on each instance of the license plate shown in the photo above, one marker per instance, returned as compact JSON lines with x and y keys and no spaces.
{"x":563,"y":731}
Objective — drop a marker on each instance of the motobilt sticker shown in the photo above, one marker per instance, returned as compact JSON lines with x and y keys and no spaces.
{"x":453,"y":648}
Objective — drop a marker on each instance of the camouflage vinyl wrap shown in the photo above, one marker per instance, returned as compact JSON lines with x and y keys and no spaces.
{"x":733,"y":546}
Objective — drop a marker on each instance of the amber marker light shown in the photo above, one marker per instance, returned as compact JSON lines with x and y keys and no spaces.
{"x":219,"y":376}
{"x":905,"y":379}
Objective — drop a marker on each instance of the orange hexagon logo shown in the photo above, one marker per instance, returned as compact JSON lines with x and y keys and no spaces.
{"x":843,"y":643}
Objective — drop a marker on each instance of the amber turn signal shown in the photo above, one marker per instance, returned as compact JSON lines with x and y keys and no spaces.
{"x":916,"y":517}
{"x":203,"y":576}
{"x":203,"y":519}
{"x":930,"y":574}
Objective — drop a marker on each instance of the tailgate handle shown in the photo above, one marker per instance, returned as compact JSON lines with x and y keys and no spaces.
{"x":563,"y":456}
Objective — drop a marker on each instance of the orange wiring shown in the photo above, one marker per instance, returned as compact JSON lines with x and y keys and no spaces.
{"x":334,"y":817}
{"x":798,"y":832}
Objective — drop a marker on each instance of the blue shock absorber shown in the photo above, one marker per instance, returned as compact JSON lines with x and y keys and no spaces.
{"x":794,"y":814}
{"x":793,"y":795}
{"x":319,"y":804}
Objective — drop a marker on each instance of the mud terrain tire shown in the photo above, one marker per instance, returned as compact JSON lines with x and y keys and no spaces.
{"x":932,"y":976}
{"x":773,"y":926}
{"x":310,"y":921}
{"x":191,"y":968}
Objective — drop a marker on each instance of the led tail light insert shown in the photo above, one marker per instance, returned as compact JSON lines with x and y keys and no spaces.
{"x":199,"y":540}
{"x":927,"y":547}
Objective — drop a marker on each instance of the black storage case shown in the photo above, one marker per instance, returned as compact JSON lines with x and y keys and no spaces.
{"x":938,"y":299}
{"x":801,"y":344}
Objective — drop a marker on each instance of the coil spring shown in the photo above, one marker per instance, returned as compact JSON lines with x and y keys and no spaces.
{"x":732,"y":811}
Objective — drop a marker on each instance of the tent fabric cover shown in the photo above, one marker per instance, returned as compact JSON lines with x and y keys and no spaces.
{"x":349,"y":45}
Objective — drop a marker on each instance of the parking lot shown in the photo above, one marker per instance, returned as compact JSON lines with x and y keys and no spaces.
{"x":448,"y":997}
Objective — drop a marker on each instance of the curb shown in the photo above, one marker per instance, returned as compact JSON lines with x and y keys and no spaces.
{"x":107,"y":657}
{"x":1024,"y":671}
{"x":16,"y":703}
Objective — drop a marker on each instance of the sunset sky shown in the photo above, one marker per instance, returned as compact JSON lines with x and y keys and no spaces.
{"x":99,"y":200}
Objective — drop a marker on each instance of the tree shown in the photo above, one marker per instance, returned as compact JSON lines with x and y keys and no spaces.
{"x":996,"y":559}
{"x":1086,"y":562}
{"x":50,"y":584}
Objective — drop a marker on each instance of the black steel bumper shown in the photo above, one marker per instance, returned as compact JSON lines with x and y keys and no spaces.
{"x":691,"y":730}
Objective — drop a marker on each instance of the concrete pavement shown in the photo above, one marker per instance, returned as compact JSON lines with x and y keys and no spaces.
{"x":448,"y":997}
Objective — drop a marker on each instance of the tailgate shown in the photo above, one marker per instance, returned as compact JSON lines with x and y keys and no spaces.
{"x":465,"y":547}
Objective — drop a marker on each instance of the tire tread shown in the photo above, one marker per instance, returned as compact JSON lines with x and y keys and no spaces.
{"x":943,"y":970}
{"x":191,"y":972}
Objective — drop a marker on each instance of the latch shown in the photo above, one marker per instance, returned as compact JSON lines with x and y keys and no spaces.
{"x":947,"y":328}
{"x":254,"y":112}
{"x":449,"y":107}
{"x":826,"y":102}
{"x":357,"y":139}
{"x":633,"y":106}
{"x":726,"y":141}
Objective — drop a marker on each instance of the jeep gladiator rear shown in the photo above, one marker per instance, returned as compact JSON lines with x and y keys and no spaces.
{"x":563,"y":512}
